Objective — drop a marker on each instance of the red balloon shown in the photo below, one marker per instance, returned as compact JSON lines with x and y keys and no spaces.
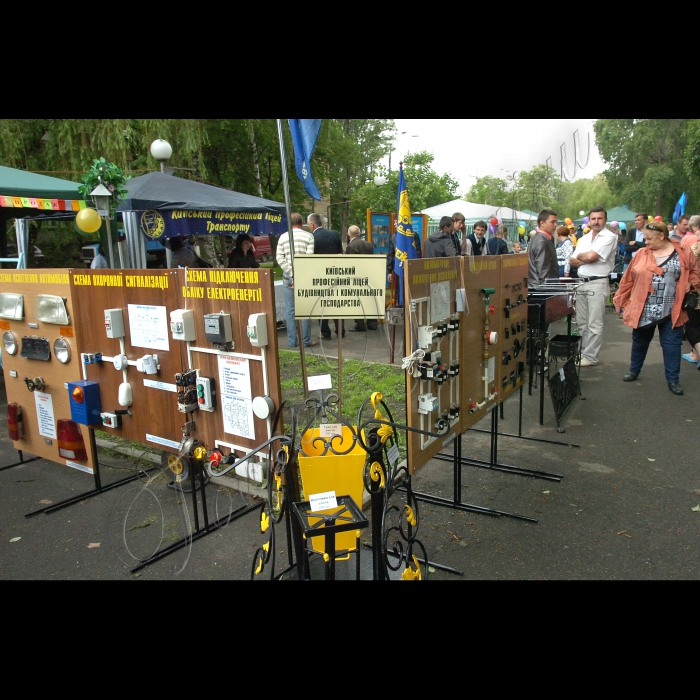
{"x":494,"y":222}
{"x":658,"y":218}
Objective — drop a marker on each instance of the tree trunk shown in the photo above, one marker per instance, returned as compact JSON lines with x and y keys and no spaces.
{"x":256,"y":158}
{"x":208,"y":251}
{"x":659,"y":205}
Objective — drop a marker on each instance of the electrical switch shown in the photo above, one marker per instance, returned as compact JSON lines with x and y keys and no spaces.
{"x":257,"y":330}
{"x":205,"y":393}
{"x":114,"y":323}
{"x":182,"y":324}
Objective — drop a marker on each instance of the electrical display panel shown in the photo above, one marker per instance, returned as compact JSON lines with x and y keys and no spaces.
{"x":164,"y":402}
{"x":45,"y":409}
{"x":434,"y":336}
{"x":513,"y":323}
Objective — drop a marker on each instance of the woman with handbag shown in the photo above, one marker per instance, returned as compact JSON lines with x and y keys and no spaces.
{"x":651,"y":294}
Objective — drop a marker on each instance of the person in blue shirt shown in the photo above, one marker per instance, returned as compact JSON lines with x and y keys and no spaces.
{"x":497,"y":245}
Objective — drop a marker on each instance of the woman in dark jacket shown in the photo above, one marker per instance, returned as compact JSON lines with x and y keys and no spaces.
{"x":242,"y":253}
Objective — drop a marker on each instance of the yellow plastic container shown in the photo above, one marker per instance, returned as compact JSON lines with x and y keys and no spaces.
{"x":339,"y":473}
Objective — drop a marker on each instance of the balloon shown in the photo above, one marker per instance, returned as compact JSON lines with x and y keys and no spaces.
{"x":568,"y":222}
{"x":492,"y":228}
{"x":623,"y":226}
{"x":586,"y":230}
{"x":613,"y":224}
{"x":88,"y":220}
{"x":500,"y":221}
{"x":658,"y":218}
{"x":521,"y":230}
{"x":494,"y":221}
{"x":586,"y":219}
{"x":522,"y":223}
{"x":650,"y":217}
{"x":581,"y":213}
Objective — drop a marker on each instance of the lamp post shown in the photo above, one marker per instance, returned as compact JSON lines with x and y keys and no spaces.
{"x":161,"y":150}
{"x":102,"y":196}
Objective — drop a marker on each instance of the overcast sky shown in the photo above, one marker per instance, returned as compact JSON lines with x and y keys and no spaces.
{"x":467,"y":148}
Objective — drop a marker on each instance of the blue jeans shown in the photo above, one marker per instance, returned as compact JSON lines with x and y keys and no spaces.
{"x":671,"y":340}
{"x":292,"y":337}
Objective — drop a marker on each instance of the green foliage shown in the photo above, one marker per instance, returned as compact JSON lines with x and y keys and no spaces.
{"x":425,"y":187}
{"x":107,"y":174}
{"x":647,"y":161}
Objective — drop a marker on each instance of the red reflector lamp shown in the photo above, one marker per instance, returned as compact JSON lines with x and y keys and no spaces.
{"x":15,"y":426}
{"x":70,"y":440}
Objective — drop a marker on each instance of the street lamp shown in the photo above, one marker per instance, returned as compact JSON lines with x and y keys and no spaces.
{"x":380,"y":180}
{"x":161,"y":150}
{"x":101,"y":196}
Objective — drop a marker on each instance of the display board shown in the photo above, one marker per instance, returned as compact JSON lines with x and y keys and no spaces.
{"x":433,"y":326}
{"x":480,"y":360}
{"x":45,"y":295}
{"x":200,"y":349}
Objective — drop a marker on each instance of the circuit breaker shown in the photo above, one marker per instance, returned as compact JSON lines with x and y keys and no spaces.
{"x":182,"y":324}
{"x":257,"y":330}
{"x":205,"y":393}
{"x":114,"y":323}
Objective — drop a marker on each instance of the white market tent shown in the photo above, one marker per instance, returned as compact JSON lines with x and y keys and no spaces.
{"x":476,"y":212}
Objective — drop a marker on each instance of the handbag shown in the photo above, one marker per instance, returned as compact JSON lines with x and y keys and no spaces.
{"x":691,"y":301}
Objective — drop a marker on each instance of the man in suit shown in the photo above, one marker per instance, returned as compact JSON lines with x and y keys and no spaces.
{"x":635,"y":238}
{"x":359,"y":246}
{"x":325,"y":243}
{"x":478,"y":239}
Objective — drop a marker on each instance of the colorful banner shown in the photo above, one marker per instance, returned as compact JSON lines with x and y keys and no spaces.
{"x":184,"y":222}
{"x":45,"y":204}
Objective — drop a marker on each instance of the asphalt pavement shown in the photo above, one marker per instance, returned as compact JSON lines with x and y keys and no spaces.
{"x":622,"y":509}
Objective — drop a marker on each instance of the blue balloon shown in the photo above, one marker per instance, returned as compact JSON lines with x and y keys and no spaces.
{"x":623,"y":226}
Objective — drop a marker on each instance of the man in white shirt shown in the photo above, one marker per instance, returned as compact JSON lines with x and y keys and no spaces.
{"x":99,"y":262}
{"x":303,"y":245}
{"x":594,"y":257}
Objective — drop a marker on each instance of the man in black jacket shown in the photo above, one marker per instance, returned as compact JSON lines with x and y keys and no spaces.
{"x":439,"y":244}
{"x":634,"y":240}
{"x":541,"y":252}
{"x":359,"y":246}
{"x":326,"y":243}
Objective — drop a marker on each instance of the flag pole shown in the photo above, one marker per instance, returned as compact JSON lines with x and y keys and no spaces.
{"x":300,"y":335}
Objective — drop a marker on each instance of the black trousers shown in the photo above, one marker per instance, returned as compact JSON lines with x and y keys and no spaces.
{"x":326,"y":329}
{"x":692,"y":327}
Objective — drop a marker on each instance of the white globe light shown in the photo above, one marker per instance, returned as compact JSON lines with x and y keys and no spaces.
{"x":380,"y":180}
{"x":161,"y":150}
{"x":582,"y":213}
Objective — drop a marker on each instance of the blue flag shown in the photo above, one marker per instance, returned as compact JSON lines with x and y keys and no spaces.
{"x":680,"y":208}
{"x":405,"y":240}
{"x":304,"y":137}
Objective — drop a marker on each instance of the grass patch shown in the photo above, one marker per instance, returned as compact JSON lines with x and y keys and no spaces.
{"x":359,"y":381}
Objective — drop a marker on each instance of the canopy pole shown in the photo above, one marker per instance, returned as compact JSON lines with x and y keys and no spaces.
{"x":300,"y":334}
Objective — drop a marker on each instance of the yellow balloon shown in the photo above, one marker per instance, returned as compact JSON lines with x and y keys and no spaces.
{"x":586,"y":230}
{"x":88,"y":220}
{"x":521,"y":230}
{"x":650,"y":217}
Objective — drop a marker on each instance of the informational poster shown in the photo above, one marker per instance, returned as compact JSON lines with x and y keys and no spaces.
{"x":45,"y":415}
{"x":236,"y":397}
{"x":149,"y":326}
{"x":339,"y":286}
{"x":439,"y":301}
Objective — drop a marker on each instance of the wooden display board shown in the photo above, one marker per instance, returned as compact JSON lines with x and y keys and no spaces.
{"x":513,"y":317}
{"x":480,"y":272}
{"x":147,"y":298}
{"x":40,"y":430}
{"x":430,"y":299}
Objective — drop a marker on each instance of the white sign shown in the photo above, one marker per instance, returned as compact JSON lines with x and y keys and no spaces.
{"x":322,"y":501}
{"x":44,"y":414}
{"x":320,"y":381}
{"x":82,"y":467}
{"x":393,"y":454}
{"x":149,"y":326}
{"x":339,"y":286}
{"x":328,"y":430}
{"x":162,"y":441}
{"x":439,"y":301}
{"x":236,"y":396}
{"x":160,"y":385}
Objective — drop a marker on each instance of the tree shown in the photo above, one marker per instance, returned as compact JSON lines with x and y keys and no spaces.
{"x":489,"y":190}
{"x":426,"y":188}
{"x":646,"y":161}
